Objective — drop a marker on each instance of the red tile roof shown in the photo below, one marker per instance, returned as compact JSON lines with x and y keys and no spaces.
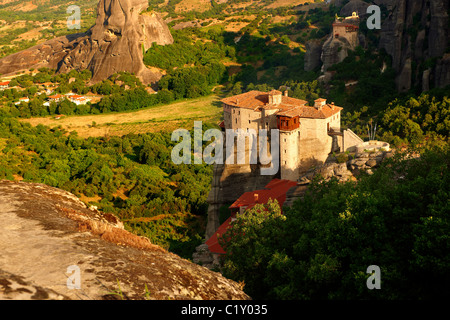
{"x":275,"y":189}
{"x":323,"y":112}
{"x":289,"y":107}
{"x":256,"y":99}
{"x":249,"y":100}
{"x":4,"y":83}
{"x":213,"y":242}
{"x":56,"y":96}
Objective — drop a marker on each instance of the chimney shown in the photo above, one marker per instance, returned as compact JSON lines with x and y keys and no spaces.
{"x":256,"y":197}
{"x":275,"y":97}
{"x":319,"y":103}
{"x":286,"y":93}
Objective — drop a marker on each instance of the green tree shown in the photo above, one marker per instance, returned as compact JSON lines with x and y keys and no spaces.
{"x":248,"y":244}
{"x":398,"y":218}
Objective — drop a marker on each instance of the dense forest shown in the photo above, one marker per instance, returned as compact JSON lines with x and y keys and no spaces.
{"x":320,"y":248}
{"x":131,"y":176}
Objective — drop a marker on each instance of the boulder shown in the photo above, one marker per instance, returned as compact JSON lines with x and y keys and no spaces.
{"x":371,"y":163}
{"x":115,"y":43}
{"x":46,"y":234}
{"x":360,"y":162}
{"x":388,"y":155}
{"x":340,"y":169}
{"x":335,"y":51}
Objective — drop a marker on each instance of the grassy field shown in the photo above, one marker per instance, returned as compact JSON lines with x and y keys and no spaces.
{"x":167,"y":118}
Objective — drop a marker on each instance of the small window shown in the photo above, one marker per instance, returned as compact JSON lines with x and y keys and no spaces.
{"x":284,"y":140}
{"x":249,"y":122}
{"x":239,"y":112}
{"x":235,"y":120}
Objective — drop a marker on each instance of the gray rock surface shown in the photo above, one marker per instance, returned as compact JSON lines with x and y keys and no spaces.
{"x":312,"y":55}
{"x":115,"y":43}
{"x":413,"y":32}
{"x":45,"y":230}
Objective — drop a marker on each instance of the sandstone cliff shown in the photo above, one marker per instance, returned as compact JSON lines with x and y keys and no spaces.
{"x":336,"y":50}
{"x":115,"y":43}
{"x":45,"y":230}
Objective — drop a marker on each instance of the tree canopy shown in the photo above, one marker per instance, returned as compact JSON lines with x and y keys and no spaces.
{"x":398,"y":219}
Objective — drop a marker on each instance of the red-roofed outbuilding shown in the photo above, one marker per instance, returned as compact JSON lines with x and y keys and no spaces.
{"x":4,"y":84}
{"x":275,"y":190}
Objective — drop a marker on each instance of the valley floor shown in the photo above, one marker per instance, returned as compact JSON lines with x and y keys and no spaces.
{"x":181,"y":114}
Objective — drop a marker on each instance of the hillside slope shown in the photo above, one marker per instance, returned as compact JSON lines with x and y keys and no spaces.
{"x":115,"y":43}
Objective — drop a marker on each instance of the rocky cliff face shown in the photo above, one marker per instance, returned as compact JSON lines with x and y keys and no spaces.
{"x":416,"y":34}
{"x":115,"y":43}
{"x":336,"y":50}
{"x":312,"y":55}
{"x":44,"y":231}
{"x":229,"y":183}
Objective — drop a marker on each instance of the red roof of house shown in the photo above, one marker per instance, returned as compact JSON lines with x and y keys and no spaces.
{"x":289,"y":107}
{"x":275,"y":189}
{"x":56,"y":96}
{"x":213,"y":242}
{"x":324,"y":112}
{"x":4,"y":83}
{"x":256,"y":99}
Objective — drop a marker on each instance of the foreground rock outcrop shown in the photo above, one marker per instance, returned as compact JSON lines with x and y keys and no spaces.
{"x":115,"y":43}
{"x":347,"y":167}
{"x":44,"y":231}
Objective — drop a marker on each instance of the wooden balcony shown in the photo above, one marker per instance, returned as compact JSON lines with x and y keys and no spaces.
{"x":288,"y":123}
